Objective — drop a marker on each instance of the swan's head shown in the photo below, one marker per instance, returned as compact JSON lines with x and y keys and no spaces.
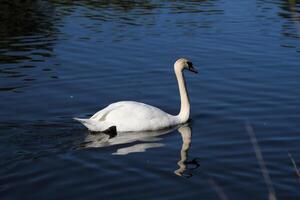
{"x":182,"y":64}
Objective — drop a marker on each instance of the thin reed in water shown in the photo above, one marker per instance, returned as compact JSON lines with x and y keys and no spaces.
{"x":295,"y":166}
{"x":262,"y":164}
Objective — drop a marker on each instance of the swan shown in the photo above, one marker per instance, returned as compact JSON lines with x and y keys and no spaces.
{"x":131,"y":116}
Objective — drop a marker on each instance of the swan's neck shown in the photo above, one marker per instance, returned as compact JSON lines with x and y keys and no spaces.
{"x":184,"y":97}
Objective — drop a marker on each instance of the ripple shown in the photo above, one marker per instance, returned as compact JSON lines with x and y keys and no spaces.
{"x":61,"y":59}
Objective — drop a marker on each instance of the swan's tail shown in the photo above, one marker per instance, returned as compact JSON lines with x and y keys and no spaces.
{"x":89,"y":123}
{"x":95,"y":126}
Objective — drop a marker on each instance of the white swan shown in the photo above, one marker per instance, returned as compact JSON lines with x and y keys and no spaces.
{"x":128,"y":116}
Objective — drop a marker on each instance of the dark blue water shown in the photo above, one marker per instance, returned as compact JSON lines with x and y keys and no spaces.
{"x":64,"y":59}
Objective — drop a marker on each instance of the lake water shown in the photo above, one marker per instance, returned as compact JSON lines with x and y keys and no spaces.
{"x":64,"y":59}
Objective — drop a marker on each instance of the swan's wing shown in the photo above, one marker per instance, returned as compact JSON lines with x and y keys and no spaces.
{"x":130,"y":116}
{"x":125,"y":107}
{"x":100,"y":115}
{"x":131,"y":110}
{"x":135,"y":116}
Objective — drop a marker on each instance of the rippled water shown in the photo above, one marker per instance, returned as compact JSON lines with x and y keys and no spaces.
{"x":61,"y":59}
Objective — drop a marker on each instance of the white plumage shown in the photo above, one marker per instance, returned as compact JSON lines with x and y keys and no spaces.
{"x":129,"y":116}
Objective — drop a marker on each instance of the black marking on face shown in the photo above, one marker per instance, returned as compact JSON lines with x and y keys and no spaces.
{"x":190,"y":64}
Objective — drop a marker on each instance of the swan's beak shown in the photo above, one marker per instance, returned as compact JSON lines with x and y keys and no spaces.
{"x":193,"y":69}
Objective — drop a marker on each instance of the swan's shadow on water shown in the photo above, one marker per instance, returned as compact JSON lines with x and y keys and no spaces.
{"x":147,"y":140}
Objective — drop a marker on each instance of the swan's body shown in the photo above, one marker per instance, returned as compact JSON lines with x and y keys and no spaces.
{"x":129,"y":116}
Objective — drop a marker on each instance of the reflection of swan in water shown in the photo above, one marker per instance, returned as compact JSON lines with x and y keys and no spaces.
{"x":186,"y":141}
{"x":147,"y":140}
{"x":137,"y":148}
{"x":183,"y":163}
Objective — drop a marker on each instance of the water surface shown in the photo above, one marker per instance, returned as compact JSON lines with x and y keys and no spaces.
{"x":63,"y":59}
